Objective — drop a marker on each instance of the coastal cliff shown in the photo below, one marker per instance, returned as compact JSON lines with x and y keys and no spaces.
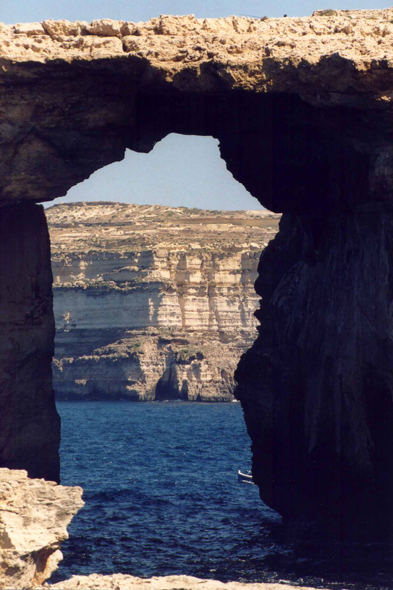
{"x":153,"y":302}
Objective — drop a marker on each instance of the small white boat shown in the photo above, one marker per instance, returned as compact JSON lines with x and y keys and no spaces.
{"x":245,"y":477}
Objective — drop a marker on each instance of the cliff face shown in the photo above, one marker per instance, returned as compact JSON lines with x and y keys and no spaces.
{"x":153,"y":302}
{"x":302,"y":109}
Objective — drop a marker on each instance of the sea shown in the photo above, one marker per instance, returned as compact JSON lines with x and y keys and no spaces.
{"x":162,"y":497}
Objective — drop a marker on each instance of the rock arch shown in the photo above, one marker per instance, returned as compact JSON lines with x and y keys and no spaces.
{"x":303,"y":117}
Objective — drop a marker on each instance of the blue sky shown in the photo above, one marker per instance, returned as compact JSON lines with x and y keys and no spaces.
{"x":12,"y":11}
{"x":181,"y":170}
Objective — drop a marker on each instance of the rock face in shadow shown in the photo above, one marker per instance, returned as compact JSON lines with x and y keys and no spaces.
{"x":302,"y":109}
{"x":316,"y":386}
{"x":34,"y":515}
{"x":29,"y":423}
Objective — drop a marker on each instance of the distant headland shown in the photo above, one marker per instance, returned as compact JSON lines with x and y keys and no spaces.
{"x":153,"y":302}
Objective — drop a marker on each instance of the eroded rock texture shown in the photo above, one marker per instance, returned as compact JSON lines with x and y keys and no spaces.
{"x":34,"y":515}
{"x":153,"y":302}
{"x":126,"y":582}
{"x":29,"y":424}
{"x":316,"y":386}
{"x":302,"y":110}
{"x":92,"y":90}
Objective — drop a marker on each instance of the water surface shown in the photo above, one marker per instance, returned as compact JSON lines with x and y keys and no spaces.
{"x":162,"y":497}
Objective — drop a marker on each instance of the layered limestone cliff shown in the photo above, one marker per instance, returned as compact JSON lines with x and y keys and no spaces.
{"x":153,"y":302}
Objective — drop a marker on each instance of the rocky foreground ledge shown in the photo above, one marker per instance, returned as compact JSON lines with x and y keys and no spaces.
{"x":123,"y":582}
{"x":34,"y":515}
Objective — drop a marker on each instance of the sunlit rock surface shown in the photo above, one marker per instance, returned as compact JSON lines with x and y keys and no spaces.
{"x":124,"y":582}
{"x":34,"y":515}
{"x":153,"y":302}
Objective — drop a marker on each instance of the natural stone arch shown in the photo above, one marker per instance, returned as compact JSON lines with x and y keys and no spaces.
{"x":306,"y":127}
{"x":282,"y":150}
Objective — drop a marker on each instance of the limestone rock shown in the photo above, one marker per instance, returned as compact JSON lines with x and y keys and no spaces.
{"x":151,"y":365}
{"x":331,"y":59}
{"x":29,"y":29}
{"x":104,"y":28}
{"x":125,"y":582}
{"x":153,"y":302}
{"x":55,"y":28}
{"x":34,"y":515}
{"x":251,"y":55}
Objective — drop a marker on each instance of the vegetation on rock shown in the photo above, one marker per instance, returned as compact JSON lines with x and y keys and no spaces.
{"x":153,"y":302}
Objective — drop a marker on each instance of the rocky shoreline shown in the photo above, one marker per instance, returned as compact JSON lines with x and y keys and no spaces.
{"x":34,"y":515}
{"x":153,"y":302}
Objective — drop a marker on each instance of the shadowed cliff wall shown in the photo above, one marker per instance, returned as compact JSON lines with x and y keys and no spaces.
{"x":29,"y":424}
{"x":316,"y":386}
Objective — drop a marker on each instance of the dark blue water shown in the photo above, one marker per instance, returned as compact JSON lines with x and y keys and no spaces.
{"x":162,"y":497}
